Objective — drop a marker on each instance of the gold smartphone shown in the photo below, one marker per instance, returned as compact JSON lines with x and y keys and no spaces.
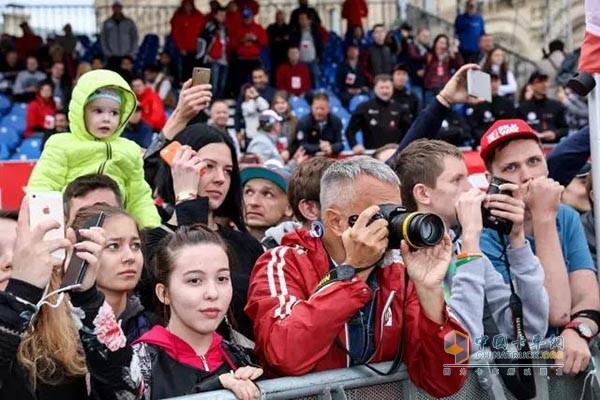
{"x":200,"y":76}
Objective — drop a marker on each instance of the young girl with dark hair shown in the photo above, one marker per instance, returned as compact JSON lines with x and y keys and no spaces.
{"x":187,"y":355}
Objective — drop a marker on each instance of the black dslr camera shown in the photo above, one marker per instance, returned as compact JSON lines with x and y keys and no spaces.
{"x":500,"y":225}
{"x":417,"y":229}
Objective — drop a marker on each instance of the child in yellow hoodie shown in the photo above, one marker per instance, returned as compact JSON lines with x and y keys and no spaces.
{"x":101,"y":105}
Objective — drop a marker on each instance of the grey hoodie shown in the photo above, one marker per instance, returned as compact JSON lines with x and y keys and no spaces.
{"x":478,"y":280}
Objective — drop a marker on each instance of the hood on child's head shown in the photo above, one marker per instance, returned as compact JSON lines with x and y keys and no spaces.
{"x":100,"y":83}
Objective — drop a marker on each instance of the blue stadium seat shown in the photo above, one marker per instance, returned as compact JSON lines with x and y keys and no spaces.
{"x":300,"y":111}
{"x":265,"y":57}
{"x":299,"y":106}
{"x":333,"y":49}
{"x":172,"y":50}
{"x":20,"y":157}
{"x":16,"y":122}
{"x":297,"y":101}
{"x":19,"y":109}
{"x":4,"y":152}
{"x":148,"y":52}
{"x":9,"y":137}
{"x":328,"y":76}
{"x":32,"y":147}
{"x":5,"y":105}
{"x":356,"y":100}
{"x":334,"y":100}
{"x":344,"y":116}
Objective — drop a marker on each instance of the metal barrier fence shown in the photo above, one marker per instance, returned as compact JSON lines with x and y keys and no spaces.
{"x":359,"y":383}
{"x":521,"y":66}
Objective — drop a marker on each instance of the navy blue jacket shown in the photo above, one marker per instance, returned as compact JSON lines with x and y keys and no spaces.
{"x":309,"y":134}
{"x":569,"y":155}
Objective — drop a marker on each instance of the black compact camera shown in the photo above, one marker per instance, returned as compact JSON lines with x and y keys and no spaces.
{"x":501,"y":225}
{"x":416,"y":228}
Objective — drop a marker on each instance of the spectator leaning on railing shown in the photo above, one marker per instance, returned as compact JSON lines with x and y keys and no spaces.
{"x":435,"y":179}
{"x":329,"y":292}
{"x":512,"y":151}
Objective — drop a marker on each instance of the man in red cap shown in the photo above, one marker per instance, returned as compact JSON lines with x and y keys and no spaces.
{"x":512,"y":151}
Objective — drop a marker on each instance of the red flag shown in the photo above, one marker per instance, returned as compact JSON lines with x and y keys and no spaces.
{"x":589,"y":60}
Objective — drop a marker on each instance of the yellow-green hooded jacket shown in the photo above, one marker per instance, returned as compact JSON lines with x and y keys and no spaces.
{"x":67,"y":156}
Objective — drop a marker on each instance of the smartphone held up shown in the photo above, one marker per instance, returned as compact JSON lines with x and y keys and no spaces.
{"x":77,"y":268}
{"x":45,"y":206}
{"x":200,"y":76}
{"x":479,"y":85}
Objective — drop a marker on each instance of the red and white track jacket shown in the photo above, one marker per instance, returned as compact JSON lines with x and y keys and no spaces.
{"x":296,"y":326}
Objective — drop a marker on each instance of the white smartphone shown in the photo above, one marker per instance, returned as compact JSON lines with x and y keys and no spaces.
{"x":44,"y":206}
{"x":479,"y":84}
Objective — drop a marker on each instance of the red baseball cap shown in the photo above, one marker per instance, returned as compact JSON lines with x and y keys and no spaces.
{"x":504,"y":130}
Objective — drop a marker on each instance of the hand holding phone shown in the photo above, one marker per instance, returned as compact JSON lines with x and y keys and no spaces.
{"x":77,"y":268}
{"x":31,"y":260}
{"x":200,"y":76}
{"x":479,"y":84}
{"x":45,"y":206}
{"x":168,"y":153}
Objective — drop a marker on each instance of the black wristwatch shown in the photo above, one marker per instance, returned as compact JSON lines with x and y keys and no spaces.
{"x":343,"y":272}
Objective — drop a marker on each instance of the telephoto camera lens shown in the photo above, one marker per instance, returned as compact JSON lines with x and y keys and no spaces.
{"x":416,"y":228}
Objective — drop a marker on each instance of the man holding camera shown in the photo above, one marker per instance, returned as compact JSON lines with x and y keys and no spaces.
{"x":512,"y":151}
{"x":328,"y":302}
{"x":435,"y":179}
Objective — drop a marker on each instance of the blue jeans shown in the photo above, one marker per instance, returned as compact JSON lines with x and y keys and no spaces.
{"x":218,"y":79}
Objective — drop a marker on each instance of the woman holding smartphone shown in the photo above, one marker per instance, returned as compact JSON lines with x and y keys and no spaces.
{"x":193,"y":285}
{"x":40,"y":350}
{"x":121,"y":264}
{"x":203,"y":185}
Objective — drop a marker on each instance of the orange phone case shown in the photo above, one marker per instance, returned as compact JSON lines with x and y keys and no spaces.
{"x":168,"y":153}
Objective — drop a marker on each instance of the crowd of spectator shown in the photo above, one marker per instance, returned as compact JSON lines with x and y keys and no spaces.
{"x":213,"y":265}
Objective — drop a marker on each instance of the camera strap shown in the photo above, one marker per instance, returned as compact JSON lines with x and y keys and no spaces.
{"x":399,"y":352}
{"x":522,"y":386}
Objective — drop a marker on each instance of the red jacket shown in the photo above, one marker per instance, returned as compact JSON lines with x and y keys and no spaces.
{"x":354,"y":10}
{"x":233,"y":22}
{"x":437,"y":73}
{"x":37,"y":111}
{"x":249,"y":49}
{"x":27,"y":44}
{"x":296,"y":326}
{"x":182,"y":352}
{"x":185,"y":29}
{"x":153,"y":111}
{"x":294,"y":79}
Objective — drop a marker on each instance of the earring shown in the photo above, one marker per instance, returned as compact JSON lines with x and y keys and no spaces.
{"x":316,"y":229}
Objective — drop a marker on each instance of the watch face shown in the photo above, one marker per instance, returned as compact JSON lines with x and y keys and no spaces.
{"x":585,"y":331}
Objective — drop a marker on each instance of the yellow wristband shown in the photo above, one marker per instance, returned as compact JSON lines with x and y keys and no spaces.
{"x":462,"y":255}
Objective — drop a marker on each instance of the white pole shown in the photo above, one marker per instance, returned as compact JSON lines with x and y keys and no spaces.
{"x":594,"y":109}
